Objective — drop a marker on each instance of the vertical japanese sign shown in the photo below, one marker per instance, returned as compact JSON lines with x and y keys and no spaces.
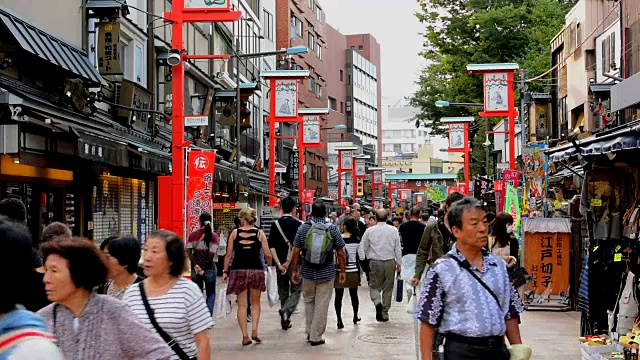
{"x":512,"y":207}
{"x":108,"y":56}
{"x":200,"y":167}
{"x":311,"y":130}
{"x":418,"y":199}
{"x":377,"y":177}
{"x":404,"y":195}
{"x":294,"y":165}
{"x":286,"y":98}
{"x":547,"y":261}
{"x":361,"y":168}
{"x":456,"y":136}
{"x":535,"y":186}
{"x":496,"y":92}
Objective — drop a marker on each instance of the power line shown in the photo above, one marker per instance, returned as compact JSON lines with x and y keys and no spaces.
{"x":143,"y":11}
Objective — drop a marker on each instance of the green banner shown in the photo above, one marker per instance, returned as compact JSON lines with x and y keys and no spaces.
{"x":512,"y":207}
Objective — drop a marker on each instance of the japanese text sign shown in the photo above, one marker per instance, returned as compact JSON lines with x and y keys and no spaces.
{"x":377,"y":177}
{"x":404,"y":195}
{"x":361,"y":168}
{"x":496,"y":92}
{"x":547,"y":261}
{"x":512,"y":207}
{"x":311,"y":131}
{"x":108,"y":41}
{"x":456,"y":136}
{"x":346,"y":160}
{"x":207,"y":4}
{"x":200,"y":167}
{"x":286,"y":98}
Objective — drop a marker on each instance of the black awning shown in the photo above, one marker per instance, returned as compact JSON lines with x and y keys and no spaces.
{"x":103,"y":4}
{"x":102,"y":149}
{"x":49,"y":48}
{"x":601,"y":87}
{"x":230,"y":175}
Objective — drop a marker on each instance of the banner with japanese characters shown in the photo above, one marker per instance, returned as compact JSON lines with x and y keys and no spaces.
{"x":200,"y":167}
{"x":512,"y":207}
{"x":547,"y":261}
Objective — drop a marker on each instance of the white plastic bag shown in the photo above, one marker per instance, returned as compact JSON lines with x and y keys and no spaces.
{"x":222,"y":307}
{"x":272,"y":286}
{"x":408,"y":267}
{"x":413,"y":302}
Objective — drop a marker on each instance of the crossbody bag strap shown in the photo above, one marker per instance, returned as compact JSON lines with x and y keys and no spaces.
{"x":465,"y":265}
{"x":282,"y":232}
{"x":163,"y":334}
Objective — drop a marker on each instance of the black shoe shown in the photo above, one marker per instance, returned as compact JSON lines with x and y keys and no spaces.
{"x":384,"y":319}
{"x":284,"y":323}
{"x":356,"y":319}
{"x":340,"y":325}
{"x":316,"y":343}
{"x":379,"y":313}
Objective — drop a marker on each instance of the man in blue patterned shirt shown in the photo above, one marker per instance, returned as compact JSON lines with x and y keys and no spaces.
{"x":467,"y":294}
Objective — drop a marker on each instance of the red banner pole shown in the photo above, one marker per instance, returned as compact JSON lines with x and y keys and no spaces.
{"x":512,"y":121}
{"x":354,"y":179}
{"x":373,"y":189}
{"x":467,"y":155}
{"x":273,"y":201}
{"x":301,"y":149}
{"x":177,"y":123}
{"x":339,"y":177}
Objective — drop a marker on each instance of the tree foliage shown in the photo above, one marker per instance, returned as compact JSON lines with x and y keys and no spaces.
{"x":461,"y":32}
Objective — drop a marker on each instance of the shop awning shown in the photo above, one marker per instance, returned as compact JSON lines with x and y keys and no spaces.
{"x":230,"y":175}
{"x":49,"y":47}
{"x":627,"y":137}
{"x":564,"y":172}
{"x":101,"y":148}
{"x":625,"y":94}
{"x":601,"y":87}
{"x":245,"y":89}
{"x":546,"y":225}
{"x":260,"y":189}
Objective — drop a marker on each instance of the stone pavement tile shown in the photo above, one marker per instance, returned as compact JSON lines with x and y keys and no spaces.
{"x":551,"y":335}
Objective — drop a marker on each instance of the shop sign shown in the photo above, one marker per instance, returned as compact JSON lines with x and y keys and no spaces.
{"x":496,"y":92}
{"x":361,"y":168}
{"x":200,"y":167}
{"x":311,"y":131}
{"x":308,"y":195}
{"x":451,"y":190}
{"x":547,"y":261}
{"x":108,"y":56}
{"x":207,"y":4}
{"x":360,"y":187}
{"x":535,"y":186}
{"x":512,"y":177}
{"x":219,"y":206}
{"x":196,"y":120}
{"x":399,"y":183}
{"x":135,"y":96}
{"x":463,"y":189}
{"x":346,"y":160}
{"x":294,"y":166}
{"x":419,"y":199}
{"x":404,"y":195}
{"x":456,"y":136}
{"x":286,"y":98}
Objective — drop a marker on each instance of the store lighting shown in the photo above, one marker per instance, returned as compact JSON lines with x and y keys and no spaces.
{"x":225,"y":195}
{"x":16,"y":159}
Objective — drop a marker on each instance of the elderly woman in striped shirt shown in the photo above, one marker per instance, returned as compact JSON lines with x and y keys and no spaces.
{"x":168,"y":303}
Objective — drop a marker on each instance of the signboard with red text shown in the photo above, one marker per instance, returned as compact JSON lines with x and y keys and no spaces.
{"x":200,"y":166}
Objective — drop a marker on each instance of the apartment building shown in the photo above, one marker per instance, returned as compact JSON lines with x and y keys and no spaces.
{"x":302,"y":22}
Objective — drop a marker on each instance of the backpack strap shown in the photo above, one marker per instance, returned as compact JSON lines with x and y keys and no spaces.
{"x":16,"y":337}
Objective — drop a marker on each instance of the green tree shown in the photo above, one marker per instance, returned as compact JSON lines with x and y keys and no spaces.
{"x":462,"y":32}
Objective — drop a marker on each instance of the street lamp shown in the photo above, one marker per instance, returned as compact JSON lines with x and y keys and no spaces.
{"x":444,"y":103}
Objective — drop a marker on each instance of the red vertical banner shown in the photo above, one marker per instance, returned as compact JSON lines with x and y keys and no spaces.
{"x":511,"y":177}
{"x":463,"y":189}
{"x":451,"y":190}
{"x":418,"y":199}
{"x":201,"y":165}
{"x":404,"y":195}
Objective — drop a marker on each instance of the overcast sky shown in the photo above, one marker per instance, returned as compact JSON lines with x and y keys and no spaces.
{"x":394,"y":25}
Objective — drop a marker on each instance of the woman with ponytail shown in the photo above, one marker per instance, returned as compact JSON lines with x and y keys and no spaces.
{"x":203,"y":253}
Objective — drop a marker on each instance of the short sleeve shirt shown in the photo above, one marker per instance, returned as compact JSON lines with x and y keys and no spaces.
{"x":327,"y":271}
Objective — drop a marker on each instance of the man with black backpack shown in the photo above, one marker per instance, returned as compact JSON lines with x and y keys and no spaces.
{"x":318,"y":243}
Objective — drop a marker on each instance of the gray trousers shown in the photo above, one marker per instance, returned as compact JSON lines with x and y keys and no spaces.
{"x":317,"y":296}
{"x":289,"y":292}
{"x":381,"y":280}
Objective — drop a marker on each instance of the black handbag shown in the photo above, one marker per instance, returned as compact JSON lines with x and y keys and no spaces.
{"x":519,"y":277}
{"x":163,"y":334}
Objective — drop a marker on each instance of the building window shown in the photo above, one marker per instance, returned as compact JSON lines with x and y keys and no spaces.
{"x":318,"y":14}
{"x":319,"y":173}
{"x":360,"y":47}
{"x":267,"y":22}
{"x":318,"y":90}
{"x":318,"y":50}
{"x":333,"y":104}
{"x":122,"y":50}
{"x":296,"y":26}
{"x":312,"y":41}
{"x":397,"y":148}
{"x":310,"y":4}
{"x":341,"y":107}
{"x":139,"y":55}
{"x":312,"y":171}
{"x":341,"y":76}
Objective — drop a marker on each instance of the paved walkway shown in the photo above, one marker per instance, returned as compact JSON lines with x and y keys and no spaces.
{"x":552,"y":335}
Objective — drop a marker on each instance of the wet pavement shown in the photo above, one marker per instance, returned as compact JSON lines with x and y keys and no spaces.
{"x":552,"y":335}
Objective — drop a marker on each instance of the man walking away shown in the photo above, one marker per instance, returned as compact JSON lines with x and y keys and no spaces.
{"x":410,"y":236}
{"x":317,"y":241}
{"x":468,"y":296}
{"x":283,"y":232}
{"x":436,"y":240}
{"x":381,"y":245}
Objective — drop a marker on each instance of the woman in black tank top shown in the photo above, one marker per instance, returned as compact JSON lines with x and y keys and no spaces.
{"x":246,"y":273}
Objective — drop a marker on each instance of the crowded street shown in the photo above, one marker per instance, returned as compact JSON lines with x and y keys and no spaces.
{"x":319,"y":179}
{"x":551,"y":335}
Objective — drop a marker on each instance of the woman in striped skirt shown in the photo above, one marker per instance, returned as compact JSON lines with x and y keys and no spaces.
{"x":351,"y":238}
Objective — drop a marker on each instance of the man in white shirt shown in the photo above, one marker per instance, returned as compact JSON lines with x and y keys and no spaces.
{"x":381,"y":244}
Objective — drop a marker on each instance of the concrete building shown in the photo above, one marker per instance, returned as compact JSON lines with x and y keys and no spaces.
{"x":303,"y":23}
{"x":575,"y":51}
{"x":401,"y":140}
